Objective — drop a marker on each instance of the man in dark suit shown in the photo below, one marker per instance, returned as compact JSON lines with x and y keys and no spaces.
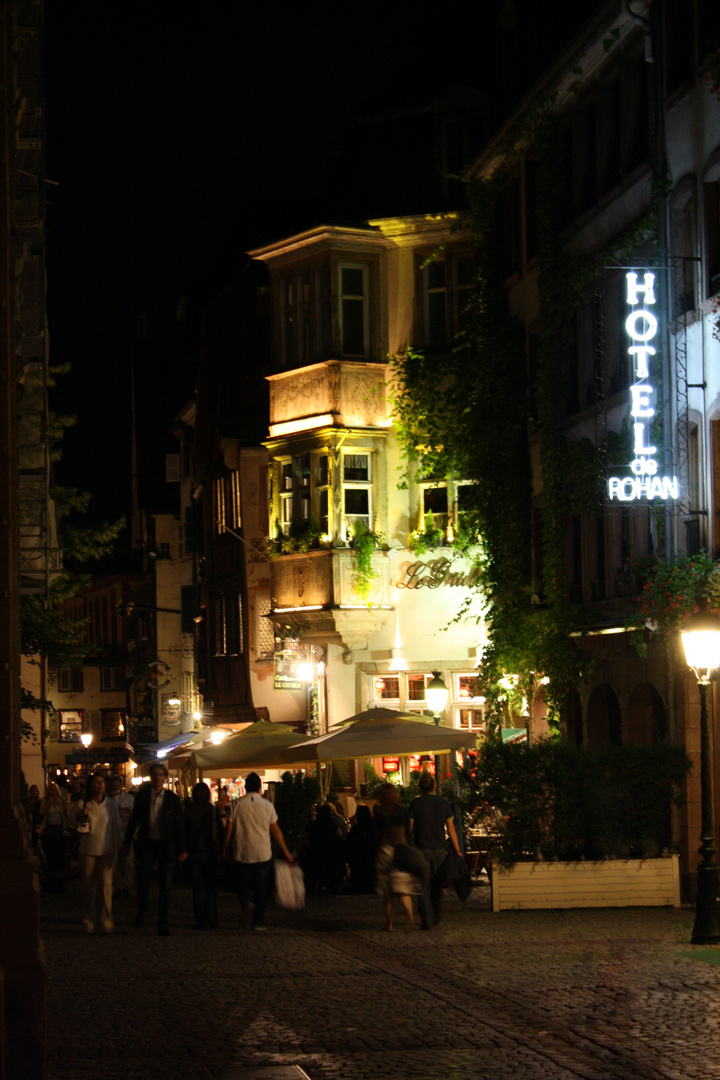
{"x":157,"y":818}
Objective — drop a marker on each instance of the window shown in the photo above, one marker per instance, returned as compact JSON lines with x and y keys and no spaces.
{"x":164,"y":549}
{"x":447,"y":285}
{"x":235,"y":504}
{"x":322,"y":486}
{"x":218,"y":497}
{"x":113,"y":724}
{"x":304,"y":484}
{"x":265,"y":629}
{"x":286,"y":496}
{"x":468,"y":706}
{"x":229,"y":639}
{"x":71,"y":724}
{"x":435,"y":502}
{"x":416,"y":687}
{"x":305,"y":316}
{"x":112,"y":678}
{"x":386,"y":688}
{"x":357,"y":492}
{"x":353,"y":311}
{"x":711,"y":195}
{"x":471,"y":719}
{"x":70,"y":680}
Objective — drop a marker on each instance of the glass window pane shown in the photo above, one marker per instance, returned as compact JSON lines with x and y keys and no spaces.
{"x":357,"y":502}
{"x":435,"y":500}
{"x":322,"y":470}
{"x":436,"y":275}
{"x":464,"y":270}
{"x":353,"y":332}
{"x":387,"y":688}
{"x":352,"y":281}
{"x":437,"y":321}
{"x":356,"y":467}
{"x":416,"y":687}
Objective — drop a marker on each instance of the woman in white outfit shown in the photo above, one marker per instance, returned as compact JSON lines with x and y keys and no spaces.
{"x":97,"y":851}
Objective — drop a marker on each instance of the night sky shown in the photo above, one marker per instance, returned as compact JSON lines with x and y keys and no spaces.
{"x":177,"y":128}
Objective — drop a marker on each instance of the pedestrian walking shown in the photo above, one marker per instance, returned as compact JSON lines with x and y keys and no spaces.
{"x":205,"y":835}
{"x":100,"y":836}
{"x":53,"y":821}
{"x":253,"y":822}
{"x":430,"y":816}
{"x":157,"y":819}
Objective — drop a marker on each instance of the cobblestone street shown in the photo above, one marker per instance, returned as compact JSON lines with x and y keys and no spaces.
{"x":595,"y":994}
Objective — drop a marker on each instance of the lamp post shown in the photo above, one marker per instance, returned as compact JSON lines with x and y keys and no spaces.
{"x":701,"y":641}
{"x":86,"y":738}
{"x":436,"y":695}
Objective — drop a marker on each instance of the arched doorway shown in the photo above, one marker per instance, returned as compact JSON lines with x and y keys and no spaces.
{"x":604,"y":723}
{"x":646,"y":722}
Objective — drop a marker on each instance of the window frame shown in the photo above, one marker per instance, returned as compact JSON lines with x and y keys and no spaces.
{"x":106,"y":716}
{"x":354,"y":297}
{"x":71,"y":731}
{"x":117,"y":680}
{"x":74,"y":681}
{"x":356,"y":485}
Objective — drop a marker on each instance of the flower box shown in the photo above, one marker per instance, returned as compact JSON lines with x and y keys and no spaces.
{"x":612,"y":883}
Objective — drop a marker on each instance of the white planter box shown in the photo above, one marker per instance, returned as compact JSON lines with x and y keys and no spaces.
{"x":615,"y":883}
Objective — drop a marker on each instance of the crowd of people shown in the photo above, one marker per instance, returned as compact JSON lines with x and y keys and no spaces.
{"x":119,"y":841}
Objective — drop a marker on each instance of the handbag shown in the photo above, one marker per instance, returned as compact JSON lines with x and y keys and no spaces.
{"x":412,"y":861}
{"x":289,"y":885}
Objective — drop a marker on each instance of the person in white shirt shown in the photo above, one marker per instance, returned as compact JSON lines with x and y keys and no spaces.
{"x":253,"y":822}
{"x":97,"y":853}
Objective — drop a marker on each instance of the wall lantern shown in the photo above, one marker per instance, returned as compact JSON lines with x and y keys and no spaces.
{"x":436,"y":695}
{"x":701,"y":642}
{"x":86,"y":738}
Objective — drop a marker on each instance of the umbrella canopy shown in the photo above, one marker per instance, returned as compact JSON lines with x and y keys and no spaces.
{"x":380,"y":735}
{"x":259,"y":746}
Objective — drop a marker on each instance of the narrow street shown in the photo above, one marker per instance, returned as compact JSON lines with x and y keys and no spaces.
{"x":592,"y":994}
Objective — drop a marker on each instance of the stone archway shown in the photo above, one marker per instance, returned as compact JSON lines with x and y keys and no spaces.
{"x":604,"y":722}
{"x":646,"y":720}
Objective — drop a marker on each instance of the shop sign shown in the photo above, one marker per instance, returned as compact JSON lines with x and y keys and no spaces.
{"x":289,"y":666}
{"x":433,"y":574}
{"x":414,"y":762}
{"x":641,"y":325}
{"x":391,"y":764}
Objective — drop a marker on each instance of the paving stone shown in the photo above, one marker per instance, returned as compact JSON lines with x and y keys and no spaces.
{"x":598,"y":995}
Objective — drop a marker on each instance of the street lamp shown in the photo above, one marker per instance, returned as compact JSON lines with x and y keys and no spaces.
{"x":86,"y":739}
{"x":701,"y":641}
{"x":436,"y":695}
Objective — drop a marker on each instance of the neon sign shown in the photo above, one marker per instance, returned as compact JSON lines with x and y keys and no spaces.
{"x":642,"y":325}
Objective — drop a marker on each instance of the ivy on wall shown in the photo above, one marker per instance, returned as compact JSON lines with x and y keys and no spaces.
{"x":475,"y":416}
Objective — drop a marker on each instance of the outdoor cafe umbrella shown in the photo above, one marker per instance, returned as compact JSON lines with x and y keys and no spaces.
{"x":260,"y":745}
{"x":379,"y":732}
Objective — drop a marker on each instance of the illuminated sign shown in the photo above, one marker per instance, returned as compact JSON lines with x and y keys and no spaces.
{"x":433,"y":574}
{"x":391,"y":764}
{"x":290,"y":674}
{"x":641,"y":325}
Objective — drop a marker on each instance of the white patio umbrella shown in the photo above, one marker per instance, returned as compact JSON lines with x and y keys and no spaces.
{"x":261,"y":745}
{"x":379,"y":732}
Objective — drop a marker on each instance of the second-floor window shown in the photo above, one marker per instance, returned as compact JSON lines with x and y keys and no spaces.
{"x":354,"y":310}
{"x":218,"y":499}
{"x":113,"y":724}
{"x":229,"y":639}
{"x":71,"y":724}
{"x":112,"y":678}
{"x":447,"y":284}
{"x":70,"y":680}
{"x":357,"y":492}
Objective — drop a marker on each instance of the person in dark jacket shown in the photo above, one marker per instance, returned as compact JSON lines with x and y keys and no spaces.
{"x":430,"y":816}
{"x":157,"y":819}
{"x":205,"y":834}
{"x":361,"y":849}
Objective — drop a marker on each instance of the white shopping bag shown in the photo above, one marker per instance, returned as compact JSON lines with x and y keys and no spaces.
{"x":289,"y":885}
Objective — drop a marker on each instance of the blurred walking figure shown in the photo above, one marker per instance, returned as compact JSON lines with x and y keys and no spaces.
{"x":430,"y":816}
{"x":205,"y":834}
{"x":392,"y":826}
{"x":97,"y":848}
{"x":122,"y":868}
{"x":53,"y":822}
